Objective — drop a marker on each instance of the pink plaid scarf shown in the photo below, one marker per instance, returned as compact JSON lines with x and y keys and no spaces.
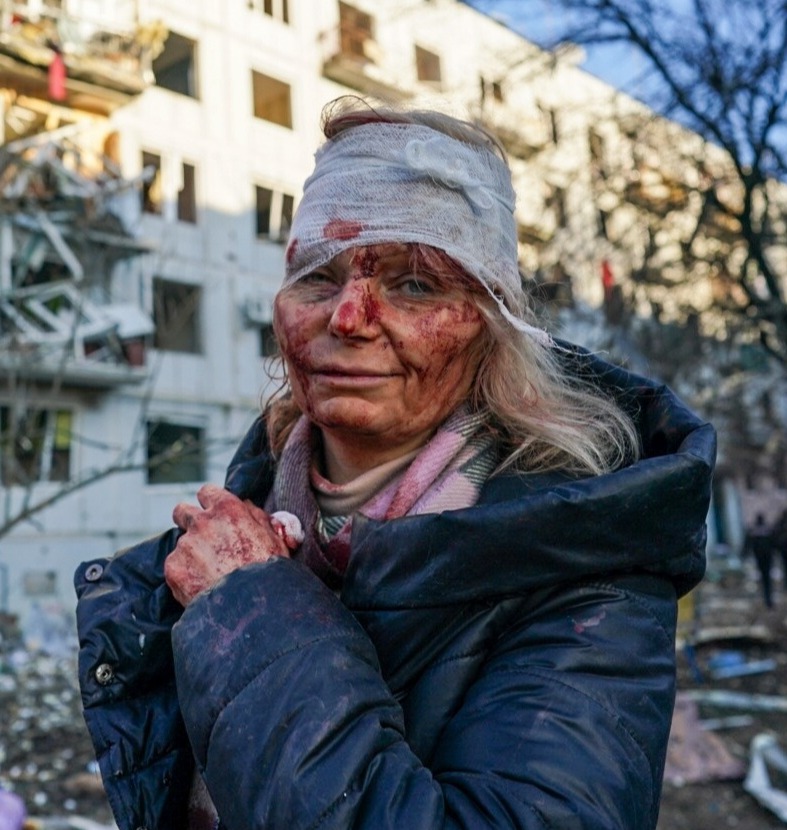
{"x":447,"y":474}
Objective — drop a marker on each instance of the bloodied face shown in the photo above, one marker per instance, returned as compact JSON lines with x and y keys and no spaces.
{"x":378,"y":352}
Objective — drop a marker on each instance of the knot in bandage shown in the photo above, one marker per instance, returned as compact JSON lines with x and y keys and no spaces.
{"x":440,"y":159}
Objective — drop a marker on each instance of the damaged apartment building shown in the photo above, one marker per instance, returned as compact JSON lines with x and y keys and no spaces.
{"x":142,"y":227}
{"x":73,"y":323}
{"x":151,"y":156}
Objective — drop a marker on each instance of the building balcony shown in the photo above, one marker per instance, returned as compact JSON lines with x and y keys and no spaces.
{"x":354,"y":59}
{"x":45,"y":54}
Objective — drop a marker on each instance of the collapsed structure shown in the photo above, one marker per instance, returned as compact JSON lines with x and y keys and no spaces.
{"x":67,"y":215}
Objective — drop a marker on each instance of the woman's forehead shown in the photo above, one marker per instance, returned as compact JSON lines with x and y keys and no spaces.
{"x":383,"y":255}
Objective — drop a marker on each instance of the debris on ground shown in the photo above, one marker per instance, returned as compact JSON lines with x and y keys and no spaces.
{"x":728,"y":615}
{"x":695,"y":754}
{"x":46,"y":758}
{"x":767,"y":758}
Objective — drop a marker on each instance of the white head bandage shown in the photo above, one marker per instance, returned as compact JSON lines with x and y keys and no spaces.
{"x":379,"y":183}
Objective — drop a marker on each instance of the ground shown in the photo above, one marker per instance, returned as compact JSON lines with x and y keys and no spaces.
{"x":46,"y":757}
{"x":724,"y":600}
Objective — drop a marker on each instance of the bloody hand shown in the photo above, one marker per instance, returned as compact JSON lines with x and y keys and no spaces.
{"x":221,"y":536}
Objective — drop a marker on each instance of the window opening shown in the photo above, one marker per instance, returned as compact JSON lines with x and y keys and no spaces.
{"x":152,"y":197}
{"x":175,"y":67}
{"x":269,"y":346}
{"x":427,"y":65}
{"x":264,"y":204}
{"x":35,"y":445}
{"x":175,"y":453}
{"x":273,"y":214}
{"x":355,"y":28}
{"x":272,"y":99}
{"x":176,"y":309}
{"x":278,"y":9}
{"x":187,"y":195}
{"x":287,"y":205}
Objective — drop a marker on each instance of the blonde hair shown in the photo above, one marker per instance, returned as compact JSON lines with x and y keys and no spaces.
{"x":544,"y":416}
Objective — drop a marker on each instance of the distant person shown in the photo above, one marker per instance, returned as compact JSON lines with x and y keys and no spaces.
{"x":780,"y":544}
{"x":760,"y":543}
{"x":475,"y":625}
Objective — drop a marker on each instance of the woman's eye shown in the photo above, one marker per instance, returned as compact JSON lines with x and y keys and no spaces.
{"x":317,"y":282}
{"x":415,"y":287}
{"x":315,"y":278}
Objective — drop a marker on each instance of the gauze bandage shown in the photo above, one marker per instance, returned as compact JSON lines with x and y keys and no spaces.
{"x":379,"y":183}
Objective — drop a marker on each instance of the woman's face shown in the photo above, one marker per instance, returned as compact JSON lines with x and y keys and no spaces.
{"x":375,"y":351}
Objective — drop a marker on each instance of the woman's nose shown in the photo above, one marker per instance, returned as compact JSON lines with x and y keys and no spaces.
{"x":357,"y":311}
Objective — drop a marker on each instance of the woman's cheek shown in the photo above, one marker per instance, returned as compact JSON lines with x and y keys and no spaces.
{"x":449,"y":331}
{"x":292,"y":340}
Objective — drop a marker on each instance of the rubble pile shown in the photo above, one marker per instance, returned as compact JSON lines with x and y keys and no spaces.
{"x":46,"y":757}
{"x":732,"y":682}
{"x":69,"y":215}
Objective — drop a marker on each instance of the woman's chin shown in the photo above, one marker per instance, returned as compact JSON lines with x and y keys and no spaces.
{"x":350,"y":415}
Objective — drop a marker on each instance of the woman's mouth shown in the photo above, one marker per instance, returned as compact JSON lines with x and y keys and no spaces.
{"x":350,"y":376}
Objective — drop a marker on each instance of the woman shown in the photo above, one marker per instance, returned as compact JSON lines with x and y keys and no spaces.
{"x":473,"y":626}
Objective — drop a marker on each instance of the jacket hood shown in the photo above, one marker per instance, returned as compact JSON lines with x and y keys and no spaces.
{"x":531,"y":530}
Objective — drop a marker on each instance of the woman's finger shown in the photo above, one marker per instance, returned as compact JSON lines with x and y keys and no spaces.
{"x":209,"y":495}
{"x":184,"y":515}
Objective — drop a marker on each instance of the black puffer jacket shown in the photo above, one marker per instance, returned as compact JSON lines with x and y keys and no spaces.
{"x":505,"y":665}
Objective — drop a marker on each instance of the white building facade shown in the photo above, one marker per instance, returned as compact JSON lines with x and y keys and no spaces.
{"x":220,"y":144}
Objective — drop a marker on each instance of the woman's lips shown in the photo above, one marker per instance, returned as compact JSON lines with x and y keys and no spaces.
{"x":351,"y":376}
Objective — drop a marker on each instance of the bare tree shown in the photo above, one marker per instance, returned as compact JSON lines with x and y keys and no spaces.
{"x":719,"y":67}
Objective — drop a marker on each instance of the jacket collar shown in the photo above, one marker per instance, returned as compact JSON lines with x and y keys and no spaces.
{"x":648,"y":516}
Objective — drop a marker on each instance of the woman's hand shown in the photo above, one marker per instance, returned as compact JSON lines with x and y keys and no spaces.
{"x":221,"y":536}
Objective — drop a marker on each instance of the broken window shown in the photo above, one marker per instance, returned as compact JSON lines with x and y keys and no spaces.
{"x":175,"y":453}
{"x":264,"y":204}
{"x":493,"y":89}
{"x":176,"y":311}
{"x":427,"y":65}
{"x":176,"y":67}
{"x":35,"y":445}
{"x":278,"y":9}
{"x":355,"y":29}
{"x":273,"y":214}
{"x":152,"y":197}
{"x":272,"y":100}
{"x":187,"y":195}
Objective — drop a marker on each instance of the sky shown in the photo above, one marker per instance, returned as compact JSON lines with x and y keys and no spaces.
{"x":737,"y":35}
{"x":618,"y":66}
